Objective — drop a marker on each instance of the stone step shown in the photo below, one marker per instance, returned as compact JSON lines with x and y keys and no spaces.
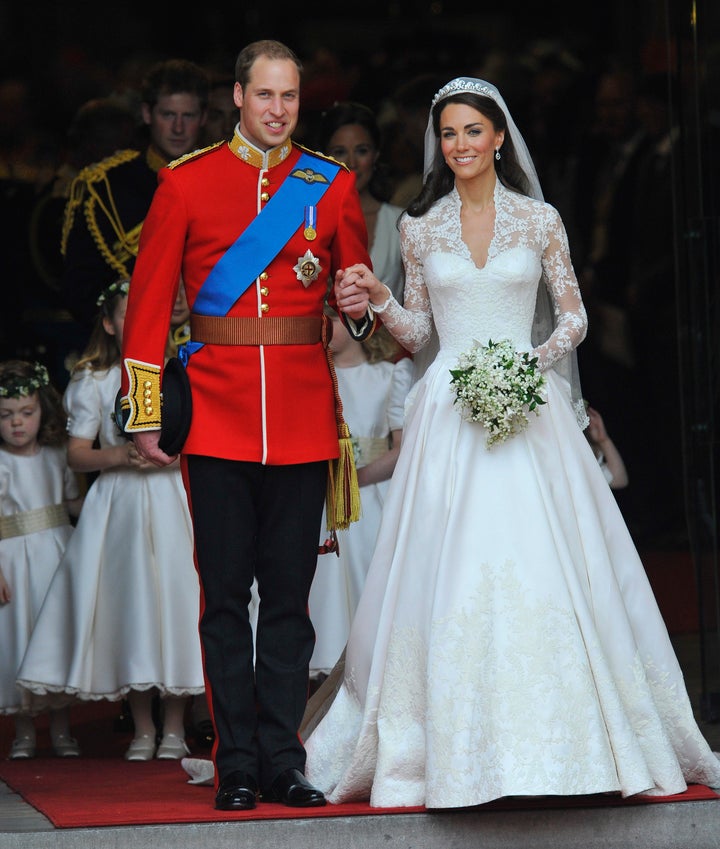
{"x":676,"y":825}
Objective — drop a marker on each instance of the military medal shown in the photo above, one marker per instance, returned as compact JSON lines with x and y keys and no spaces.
{"x":310,"y":218}
{"x":308,"y":268}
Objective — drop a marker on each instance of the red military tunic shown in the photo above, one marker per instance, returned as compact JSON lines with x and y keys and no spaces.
{"x":272,"y":404}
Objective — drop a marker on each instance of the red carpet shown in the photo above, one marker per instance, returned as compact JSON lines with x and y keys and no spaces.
{"x":102,"y":789}
{"x":109,"y":791}
{"x":104,"y":792}
{"x":672,"y":577}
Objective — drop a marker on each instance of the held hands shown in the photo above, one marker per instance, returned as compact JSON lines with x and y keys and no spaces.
{"x":134,"y":460}
{"x":355,"y":287}
{"x":148,"y":451}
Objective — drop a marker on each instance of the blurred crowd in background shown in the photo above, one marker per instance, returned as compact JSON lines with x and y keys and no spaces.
{"x":594,"y":113}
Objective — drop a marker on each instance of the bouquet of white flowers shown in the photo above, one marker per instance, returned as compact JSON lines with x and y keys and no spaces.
{"x":497,"y":386}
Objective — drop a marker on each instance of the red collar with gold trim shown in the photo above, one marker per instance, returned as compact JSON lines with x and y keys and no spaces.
{"x":262,"y":159}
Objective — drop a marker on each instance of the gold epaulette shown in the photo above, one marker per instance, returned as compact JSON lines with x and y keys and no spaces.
{"x":82,"y":186}
{"x":322,"y":155}
{"x":181,"y":160}
{"x":97,"y":170}
{"x":142,"y":402}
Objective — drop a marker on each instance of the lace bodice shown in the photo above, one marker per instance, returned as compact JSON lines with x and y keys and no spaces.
{"x":468,"y":303}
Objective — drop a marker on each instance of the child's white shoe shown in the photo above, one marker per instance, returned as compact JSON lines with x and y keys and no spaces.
{"x":172,"y":748}
{"x":22,"y":748}
{"x":65,"y":746}
{"x":142,"y":748}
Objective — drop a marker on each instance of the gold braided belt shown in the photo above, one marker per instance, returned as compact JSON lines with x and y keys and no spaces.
{"x":32,"y":521}
{"x":272,"y":330}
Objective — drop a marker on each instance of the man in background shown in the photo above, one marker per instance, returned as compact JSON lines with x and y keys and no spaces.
{"x":110,"y":198}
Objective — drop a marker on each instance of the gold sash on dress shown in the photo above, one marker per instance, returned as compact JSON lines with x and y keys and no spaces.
{"x":32,"y":521}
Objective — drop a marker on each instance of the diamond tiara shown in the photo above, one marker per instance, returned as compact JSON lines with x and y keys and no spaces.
{"x":462,"y":85}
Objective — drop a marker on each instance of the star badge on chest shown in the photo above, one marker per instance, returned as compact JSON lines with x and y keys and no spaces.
{"x":308,"y":268}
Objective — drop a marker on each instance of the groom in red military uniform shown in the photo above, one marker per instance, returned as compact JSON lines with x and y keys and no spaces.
{"x":258,"y":228}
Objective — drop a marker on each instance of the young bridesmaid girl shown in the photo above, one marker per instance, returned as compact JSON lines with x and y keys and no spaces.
{"x":128,"y":592}
{"x":38,"y":494}
{"x":373,"y":381}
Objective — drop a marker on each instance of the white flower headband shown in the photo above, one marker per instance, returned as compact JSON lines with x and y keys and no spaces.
{"x":117,"y":287}
{"x":19,"y":386}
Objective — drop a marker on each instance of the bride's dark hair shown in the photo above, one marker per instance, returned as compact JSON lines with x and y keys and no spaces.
{"x":441,"y":179}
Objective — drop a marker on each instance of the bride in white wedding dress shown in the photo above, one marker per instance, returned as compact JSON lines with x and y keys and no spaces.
{"x":507,"y":641}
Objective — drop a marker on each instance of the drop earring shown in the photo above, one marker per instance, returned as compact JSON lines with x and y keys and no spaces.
{"x":497,"y":153}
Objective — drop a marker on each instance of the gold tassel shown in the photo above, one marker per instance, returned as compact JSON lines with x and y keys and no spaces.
{"x":343,"y":496}
{"x":342,"y":503}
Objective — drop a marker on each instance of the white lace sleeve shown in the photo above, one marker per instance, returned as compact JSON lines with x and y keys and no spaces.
{"x":567,"y":305}
{"x":410,"y":324}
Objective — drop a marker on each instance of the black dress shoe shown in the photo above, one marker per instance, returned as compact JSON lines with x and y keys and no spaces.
{"x":293,"y":789}
{"x":237,"y":792}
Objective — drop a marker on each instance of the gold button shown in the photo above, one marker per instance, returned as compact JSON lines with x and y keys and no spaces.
{"x":265,"y":307}
{"x":148,"y":410}
{"x":147,"y":393}
{"x":264,"y":291}
{"x":264,"y":196}
{"x":264,"y":275}
{"x":147,"y":384}
{"x":265,"y":181}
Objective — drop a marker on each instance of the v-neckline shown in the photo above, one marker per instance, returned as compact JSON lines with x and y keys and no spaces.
{"x":482,"y":267}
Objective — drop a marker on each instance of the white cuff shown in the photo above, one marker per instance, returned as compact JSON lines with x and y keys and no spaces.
{"x":378,"y":308}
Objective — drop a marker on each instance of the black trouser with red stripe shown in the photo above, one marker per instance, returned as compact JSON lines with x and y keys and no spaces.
{"x":255,"y":521}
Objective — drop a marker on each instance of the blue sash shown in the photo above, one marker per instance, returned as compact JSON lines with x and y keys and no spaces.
{"x":262,"y":240}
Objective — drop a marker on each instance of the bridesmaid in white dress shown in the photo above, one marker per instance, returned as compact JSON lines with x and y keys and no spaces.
{"x":372,"y":393}
{"x":373,"y":387}
{"x":38,"y":494}
{"x":507,"y":641}
{"x":125,"y":594}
